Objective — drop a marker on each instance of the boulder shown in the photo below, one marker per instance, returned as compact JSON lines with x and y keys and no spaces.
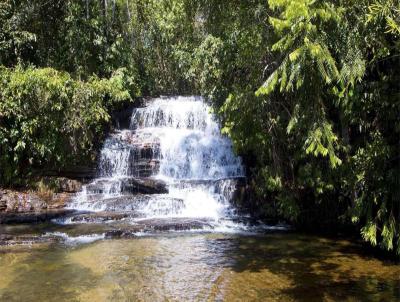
{"x":147,"y":186}
{"x":128,"y":185}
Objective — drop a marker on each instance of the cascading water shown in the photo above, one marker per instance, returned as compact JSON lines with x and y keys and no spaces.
{"x":172,"y":162}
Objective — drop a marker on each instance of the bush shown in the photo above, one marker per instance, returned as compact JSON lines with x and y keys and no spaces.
{"x":48,"y":119}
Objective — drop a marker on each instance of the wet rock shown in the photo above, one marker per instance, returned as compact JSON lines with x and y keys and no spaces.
{"x":241,"y":195}
{"x":174,"y":224}
{"x":62,"y":184}
{"x":99,"y":217}
{"x":21,"y":201}
{"x":146,"y":186}
{"x":140,"y":150}
{"x":16,"y":201}
{"x":32,"y":216}
{"x":125,"y":203}
{"x":114,"y":234}
{"x":103,"y":186}
{"x":127,"y":186}
{"x":158,"y":225}
{"x":32,"y":207}
{"x":59,"y":200}
{"x":145,"y":168}
{"x":151,"y":204}
{"x":7,"y":239}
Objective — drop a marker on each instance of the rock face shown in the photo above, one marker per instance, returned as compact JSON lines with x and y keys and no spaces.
{"x":32,"y":207}
{"x":62,"y":184}
{"x":148,"y":186}
{"x":139,"y":205}
{"x":127,"y":152}
{"x":33,"y":216}
{"x":128,"y":185}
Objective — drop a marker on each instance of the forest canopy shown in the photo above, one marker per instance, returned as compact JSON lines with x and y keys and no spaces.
{"x":307,"y":90}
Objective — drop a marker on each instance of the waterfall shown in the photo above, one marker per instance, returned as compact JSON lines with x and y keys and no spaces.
{"x":172,"y":162}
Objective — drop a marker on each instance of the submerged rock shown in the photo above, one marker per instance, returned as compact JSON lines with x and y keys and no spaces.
{"x":8,"y":239}
{"x":159,"y":225}
{"x":98,"y":217}
{"x":174,"y":224}
{"x":140,"y":204}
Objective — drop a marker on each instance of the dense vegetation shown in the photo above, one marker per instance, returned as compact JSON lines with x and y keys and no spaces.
{"x":49,"y":119}
{"x":307,"y":90}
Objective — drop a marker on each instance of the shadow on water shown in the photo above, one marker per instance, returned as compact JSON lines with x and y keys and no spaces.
{"x":199,"y":267}
{"x":318,"y":269}
{"x":45,"y":275}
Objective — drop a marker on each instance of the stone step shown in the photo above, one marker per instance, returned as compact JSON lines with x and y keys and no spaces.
{"x":149,"y":204}
{"x":98,"y":217}
{"x":156,"y":225}
{"x":136,"y":205}
{"x":127,"y":185}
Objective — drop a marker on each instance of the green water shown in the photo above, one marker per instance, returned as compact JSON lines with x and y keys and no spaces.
{"x":197,"y":267}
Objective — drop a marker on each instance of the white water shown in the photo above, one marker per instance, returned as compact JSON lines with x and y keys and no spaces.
{"x":176,"y":140}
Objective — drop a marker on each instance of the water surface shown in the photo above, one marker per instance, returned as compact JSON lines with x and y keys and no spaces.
{"x":197,"y":267}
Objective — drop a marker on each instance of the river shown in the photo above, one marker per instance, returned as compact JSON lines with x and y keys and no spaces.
{"x":197,"y":267}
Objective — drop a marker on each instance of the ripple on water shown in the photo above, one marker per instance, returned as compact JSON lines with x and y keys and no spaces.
{"x":198,"y":267}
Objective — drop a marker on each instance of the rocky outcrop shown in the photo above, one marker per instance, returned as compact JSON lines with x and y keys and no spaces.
{"x":32,"y":207}
{"x":141,"y":152}
{"x":139,"y":202}
{"x":174,"y":224}
{"x":128,"y":185}
{"x":147,"y":186}
{"x":62,"y":184}
{"x":33,"y":216}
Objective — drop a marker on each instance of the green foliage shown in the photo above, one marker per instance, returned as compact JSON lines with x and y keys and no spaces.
{"x":323,"y":126}
{"x":50,"y":120}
